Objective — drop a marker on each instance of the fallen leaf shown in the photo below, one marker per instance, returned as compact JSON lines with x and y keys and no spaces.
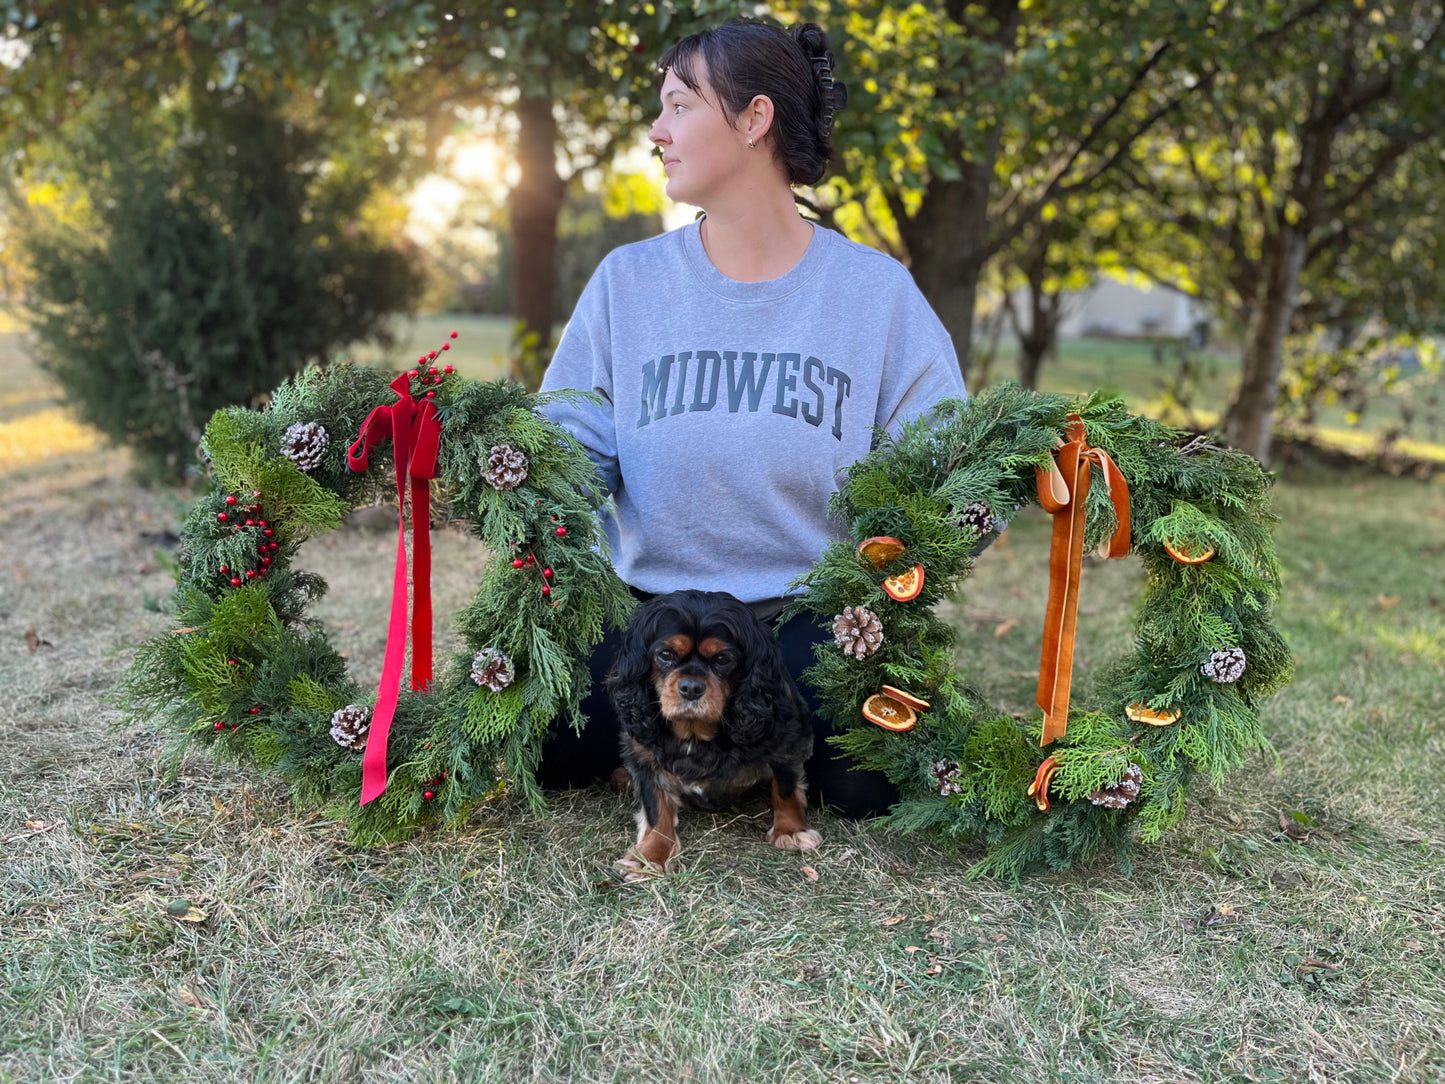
{"x":810,"y":873}
{"x":186,"y":996}
{"x":1386,"y":601}
{"x":183,"y":910}
{"x":895,"y":920}
{"x":1415,"y":946}
{"x":1222,"y":915}
{"x":911,"y":949}
{"x":34,"y":642}
{"x":1003,"y":628}
{"x":1292,"y":827}
{"x":1342,"y":699}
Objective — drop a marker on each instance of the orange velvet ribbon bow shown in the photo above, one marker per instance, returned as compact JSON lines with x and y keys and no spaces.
{"x":1062,"y":490}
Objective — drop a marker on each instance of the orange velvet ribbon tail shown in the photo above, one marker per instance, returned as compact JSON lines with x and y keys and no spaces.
{"x":1062,"y":492}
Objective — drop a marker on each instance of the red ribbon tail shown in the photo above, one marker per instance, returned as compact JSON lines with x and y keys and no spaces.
{"x":373,"y":762}
{"x":421,"y":617}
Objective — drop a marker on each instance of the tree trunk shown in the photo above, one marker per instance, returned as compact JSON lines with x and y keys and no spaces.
{"x":534,"y":205}
{"x":1039,"y":340}
{"x":948,"y":238}
{"x":1249,"y":422}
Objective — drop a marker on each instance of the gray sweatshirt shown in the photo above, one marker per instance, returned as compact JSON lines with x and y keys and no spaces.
{"x":730,"y":409}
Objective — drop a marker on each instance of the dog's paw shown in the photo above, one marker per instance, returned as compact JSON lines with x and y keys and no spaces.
{"x":636,"y":868}
{"x":806,"y":840}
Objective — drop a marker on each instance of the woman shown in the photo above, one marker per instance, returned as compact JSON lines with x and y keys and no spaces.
{"x":743,"y":361}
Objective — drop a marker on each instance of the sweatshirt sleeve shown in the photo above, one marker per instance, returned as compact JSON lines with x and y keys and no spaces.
{"x":939,"y":379}
{"x":583,"y":360}
{"x":910,"y":390}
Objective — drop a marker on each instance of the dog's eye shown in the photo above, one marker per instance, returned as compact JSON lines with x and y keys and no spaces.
{"x":666,"y":656}
{"x":724,"y":659}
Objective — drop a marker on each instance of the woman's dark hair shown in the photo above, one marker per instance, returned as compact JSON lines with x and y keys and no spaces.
{"x":791,"y":67}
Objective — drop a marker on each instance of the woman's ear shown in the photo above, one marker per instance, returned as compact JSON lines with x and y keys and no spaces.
{"x":756,"y":119}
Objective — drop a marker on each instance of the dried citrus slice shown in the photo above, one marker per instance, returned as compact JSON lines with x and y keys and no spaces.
{"x":880,"y":549}
{"x":1141,"y":713}
{"x":906,"y":585}
{"x":1186,"y":554}
{"x":917,"y":703}
{"x":890,"y":714}
{"x":1039,"y":788}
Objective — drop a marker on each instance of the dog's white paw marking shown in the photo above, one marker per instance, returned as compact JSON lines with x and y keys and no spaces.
{"x":634,"y":868}
{"x":806,"y":840}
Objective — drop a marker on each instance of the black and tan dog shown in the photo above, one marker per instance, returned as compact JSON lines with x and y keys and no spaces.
{"x":707,"y":712}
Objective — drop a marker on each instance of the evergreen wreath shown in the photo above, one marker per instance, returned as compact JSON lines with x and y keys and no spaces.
{"x":249,"y":674}
{"x":1186,"y":701}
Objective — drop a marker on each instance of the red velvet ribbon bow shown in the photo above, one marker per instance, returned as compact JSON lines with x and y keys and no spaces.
{"x":415,"y":433}
{"x":1062,"y":490}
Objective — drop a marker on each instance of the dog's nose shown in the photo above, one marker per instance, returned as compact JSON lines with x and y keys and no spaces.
{"x":690,"y":688}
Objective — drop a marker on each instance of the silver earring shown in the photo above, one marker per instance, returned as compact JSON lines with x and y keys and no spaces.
{"x":750,"y":142}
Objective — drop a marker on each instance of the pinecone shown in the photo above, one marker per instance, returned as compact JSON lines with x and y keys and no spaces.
{"x":1225,"y":665}
{"x":978,"y":518}
{"x":946,"y":773}
{"x":349,"y":726}
{"x":304,"y":444}
{"x":506,"y":467}
{"x":1118,"y":795}
{"x":858,"y":631}
{"x":492,"y":668}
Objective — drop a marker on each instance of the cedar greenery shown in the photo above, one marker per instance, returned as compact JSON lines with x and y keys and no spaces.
{"x":239,"y":648}
{"x":1182,"y":490}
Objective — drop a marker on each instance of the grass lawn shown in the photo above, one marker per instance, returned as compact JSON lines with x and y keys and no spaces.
{"x":503,"y":952}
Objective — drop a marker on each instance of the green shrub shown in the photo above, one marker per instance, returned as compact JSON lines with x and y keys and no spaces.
{"x":221,"y":250}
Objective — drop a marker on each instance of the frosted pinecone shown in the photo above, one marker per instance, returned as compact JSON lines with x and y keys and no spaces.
{"x":1225,"y":665}
{"x":304,"y":444}
{"x":1118,"y":795}
{"x":858,"y":631}
{"x":945,"y":774}
{"x":506,"y":467}
{"x":977,"y":517}
{"x":492,"y":669}
{"x":349,"y":726}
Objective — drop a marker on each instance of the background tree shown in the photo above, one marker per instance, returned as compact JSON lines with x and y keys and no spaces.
{"x":1277,"y":172}
{"x":970,"y":119}
{"x":577,"y":81}
{"x":211,"y":256}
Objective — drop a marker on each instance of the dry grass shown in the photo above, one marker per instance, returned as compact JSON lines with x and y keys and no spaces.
{"x":503,"y":952}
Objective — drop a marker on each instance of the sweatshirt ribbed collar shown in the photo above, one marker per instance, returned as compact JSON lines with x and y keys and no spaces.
{"x":745,"y":292}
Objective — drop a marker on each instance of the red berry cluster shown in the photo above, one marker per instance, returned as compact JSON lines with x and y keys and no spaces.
{"x":426,"y":374}
{"x":248,"y":517}
{"x":428,"y":787}
{"x":530,"y":561}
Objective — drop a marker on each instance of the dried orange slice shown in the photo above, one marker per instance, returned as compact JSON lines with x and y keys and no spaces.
{"x":880,"y":549}
{"x":915,"y":702}
{"x":1039,"y":788}
{"x":882,"y":710}
{"x":1187,"y":555}
{"x":905,"y":586}
{"x":1140,"y":713}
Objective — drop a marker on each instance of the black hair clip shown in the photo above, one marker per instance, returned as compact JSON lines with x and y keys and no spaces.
{"x":835,"y":94}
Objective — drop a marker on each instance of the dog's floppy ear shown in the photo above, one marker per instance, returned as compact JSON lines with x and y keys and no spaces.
{"x":628,"y":681}
{"x":765,"y":695}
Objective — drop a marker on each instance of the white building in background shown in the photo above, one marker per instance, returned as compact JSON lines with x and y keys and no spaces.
{"x":1114,"y":308}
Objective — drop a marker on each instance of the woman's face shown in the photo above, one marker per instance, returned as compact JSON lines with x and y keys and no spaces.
{"x":701,"y":150}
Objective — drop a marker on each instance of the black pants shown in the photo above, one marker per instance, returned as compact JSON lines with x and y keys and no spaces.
{"x":573,"y":760}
